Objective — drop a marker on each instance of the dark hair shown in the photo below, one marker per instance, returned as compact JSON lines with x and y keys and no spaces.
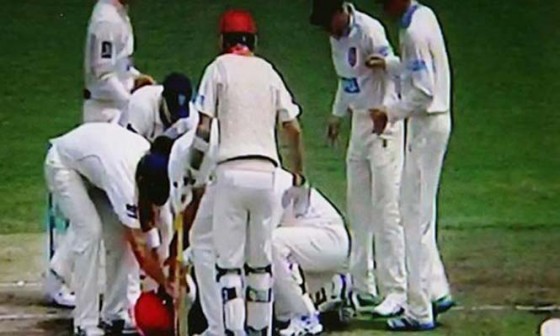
{"x":230,"y":40}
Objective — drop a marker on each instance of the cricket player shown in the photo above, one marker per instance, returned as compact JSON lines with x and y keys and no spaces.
{"x":154,"y":109}
{"x":98,"y":183}
{"x":110,"y":75}
{"x":316,"y":241}
{"x":426,"y":102}
{"x":307,"y":252}
{"x":374,"y":163}
{"x":248,"y":98}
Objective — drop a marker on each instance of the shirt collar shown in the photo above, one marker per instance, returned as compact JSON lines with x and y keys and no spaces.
{"x":350,"y":9}
{"x":406,"y":19}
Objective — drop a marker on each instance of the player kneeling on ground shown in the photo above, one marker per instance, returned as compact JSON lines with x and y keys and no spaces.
{"x":308,"y":250}
{"x":92,"y":178}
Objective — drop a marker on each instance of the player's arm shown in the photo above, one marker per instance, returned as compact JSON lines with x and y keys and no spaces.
{"x":146,"y":259}
{"x":206,"y":104}
{"x":137,"y":117}
{"x":288,"y":113}
{"x":104,"y":48}
{"x":339,"y":110}
{"x":381,"y":54}
{"x":418,"y":65}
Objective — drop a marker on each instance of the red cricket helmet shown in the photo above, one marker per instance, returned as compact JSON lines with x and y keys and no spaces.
{"x":153,"y":316}
{"x":237,"y":21}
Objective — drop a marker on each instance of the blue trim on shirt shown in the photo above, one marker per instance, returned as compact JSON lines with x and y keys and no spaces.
{"x":417,"y":65}
{"x":406,"y":20}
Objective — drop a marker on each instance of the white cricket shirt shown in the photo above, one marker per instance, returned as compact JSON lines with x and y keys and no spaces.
{"x":143,"y":114}
{"x":361,"y":88}
{"x":425,"y":73}
{"x":249,"y":98}
{"x":109,"y":72}
{"x":321,"y":211}
{"x":106,"y":155}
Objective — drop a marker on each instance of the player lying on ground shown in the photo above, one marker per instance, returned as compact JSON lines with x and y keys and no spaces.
{"x":98,"y":181}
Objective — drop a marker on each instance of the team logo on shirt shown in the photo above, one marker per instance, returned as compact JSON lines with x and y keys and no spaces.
{"x":353,"y":56}
{"x":106,"y":49}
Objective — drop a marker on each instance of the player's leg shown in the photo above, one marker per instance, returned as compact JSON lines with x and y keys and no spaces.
{"x":387,"y":156}
{"x":436,"y":146}
{"x":418,"y":315}
{"x":204,"y":262}
{"x":58,"y":279}
{"x":358,"y":203}
{"x":314,"y":249}
{"x":120,"y":264}
{"x":70,"y":191}
{"x":261,"y":200}
{"x":229,"y":235}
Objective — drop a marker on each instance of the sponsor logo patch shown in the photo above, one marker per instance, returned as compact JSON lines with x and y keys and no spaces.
{"x":353,"y":56}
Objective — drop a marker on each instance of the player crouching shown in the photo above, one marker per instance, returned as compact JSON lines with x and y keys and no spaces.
{"x":308,"y":250}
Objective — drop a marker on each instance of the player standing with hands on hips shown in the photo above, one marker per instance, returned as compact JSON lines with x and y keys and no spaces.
{"x":110,"y":76}
{"x":247,"y":97}
{"x":374,"y":163}
{"x":425,"y":101}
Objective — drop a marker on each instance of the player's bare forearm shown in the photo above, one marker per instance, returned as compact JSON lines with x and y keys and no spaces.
{"x":148,"y":261}
{"x":294,"y":139}
{"x":203,"y":133}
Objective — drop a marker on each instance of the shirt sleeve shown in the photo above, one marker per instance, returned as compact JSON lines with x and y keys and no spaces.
{"x":378,"y":44}
{"x":419,"y":95}
{"x":121,"y":194}
{"x":207,"y":99}
{"x":139,"y":118}
{"x":287,"y":109}
{"x":104,"y":53}
{"x":341,"y":103}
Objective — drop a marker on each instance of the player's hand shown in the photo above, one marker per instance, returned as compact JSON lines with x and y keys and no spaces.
{"x":376,"y":62}
{"x":298,"y":196}
{"x":380,"y":120}
{"x":333,"y":130}
{"x":171,"y":290}
{"x":141,"y":81}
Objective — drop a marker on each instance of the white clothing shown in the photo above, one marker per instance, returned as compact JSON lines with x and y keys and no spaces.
{"x":106,"y":155}
{"x":425,"y":71}
{"x":108,"y":68}
{"x":143,"y":115}
{"x":249,"y":98}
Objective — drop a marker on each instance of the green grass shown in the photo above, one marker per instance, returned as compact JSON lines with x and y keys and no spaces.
{"x":499,"y":202}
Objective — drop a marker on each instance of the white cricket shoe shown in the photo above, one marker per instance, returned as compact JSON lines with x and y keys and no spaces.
{"x":392,"y":306}
{"x":57,"y":293}
{"x":303,"y":326}
{"x":92,"y":331}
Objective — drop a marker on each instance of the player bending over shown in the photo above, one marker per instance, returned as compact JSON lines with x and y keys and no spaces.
{"x":98,"y":182}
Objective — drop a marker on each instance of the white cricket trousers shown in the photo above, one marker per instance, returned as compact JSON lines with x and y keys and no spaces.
{"x":242,"y":233}
{"x":321,"y":251}
{"x":91,"y":219}
{"x":427,"y":138}
{"x":374,"y":168}
{"x":101,"y":111}
{"x":204,"y":262}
